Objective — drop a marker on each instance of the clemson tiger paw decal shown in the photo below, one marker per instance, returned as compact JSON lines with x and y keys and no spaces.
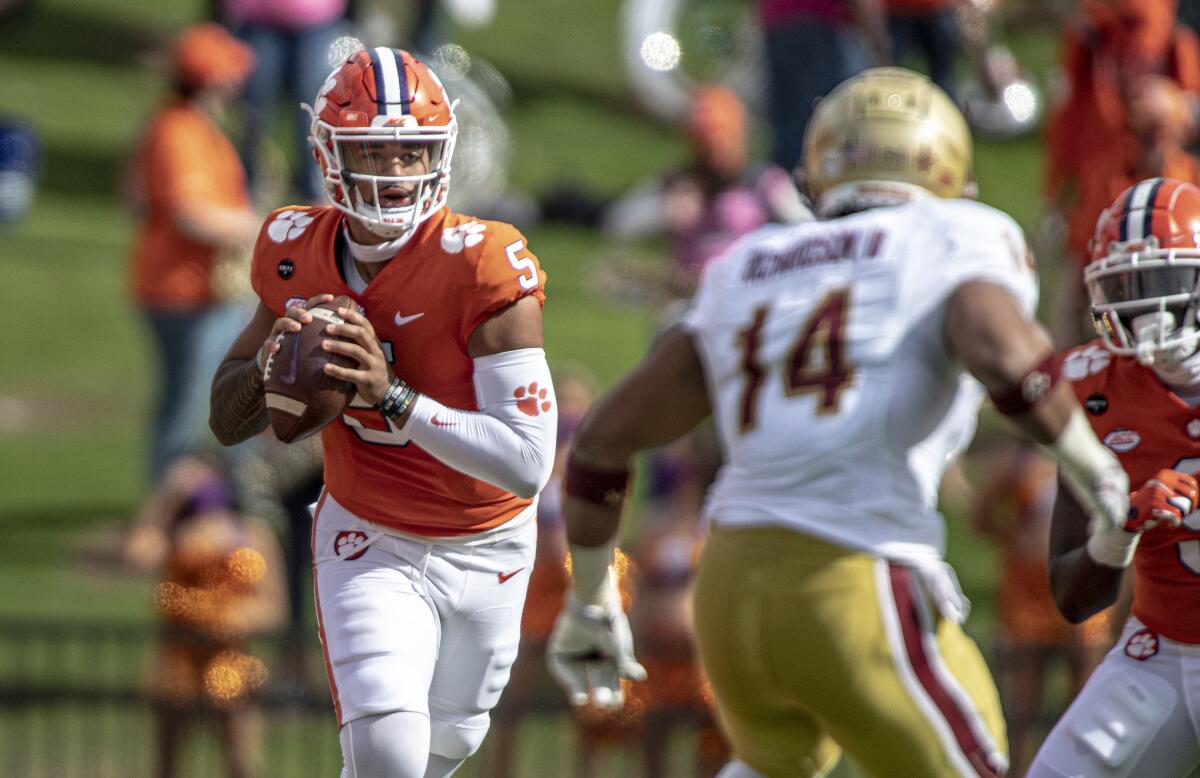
{"x":288,"y":225}
{"x":531,"y":400}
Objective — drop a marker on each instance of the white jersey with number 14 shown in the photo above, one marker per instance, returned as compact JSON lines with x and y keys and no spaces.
{"x":835,"y":402}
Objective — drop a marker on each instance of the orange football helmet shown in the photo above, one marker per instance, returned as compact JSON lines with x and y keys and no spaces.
{"x":1144,"y":276}
{"x":378,"y":96}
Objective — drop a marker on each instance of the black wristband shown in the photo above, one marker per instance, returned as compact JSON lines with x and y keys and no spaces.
{"x":396,"y":400}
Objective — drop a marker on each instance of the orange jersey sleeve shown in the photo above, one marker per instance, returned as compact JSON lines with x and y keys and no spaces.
{"x":1149,"y":428}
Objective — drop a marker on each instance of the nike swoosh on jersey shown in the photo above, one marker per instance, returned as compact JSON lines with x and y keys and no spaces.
{"x":505,"y":576}
{"x":434,"y":421}
{"x":402,"y":320}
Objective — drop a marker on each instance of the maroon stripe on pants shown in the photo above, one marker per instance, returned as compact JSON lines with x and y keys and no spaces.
{"x":904,"y":595}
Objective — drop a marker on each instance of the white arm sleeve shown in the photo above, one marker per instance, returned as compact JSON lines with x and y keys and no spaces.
{"x":510,"y":441}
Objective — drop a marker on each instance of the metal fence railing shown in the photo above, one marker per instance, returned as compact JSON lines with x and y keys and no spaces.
{"x":77,"y":701}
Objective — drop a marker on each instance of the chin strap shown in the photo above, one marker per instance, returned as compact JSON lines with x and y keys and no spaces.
{"x":370,"y":253}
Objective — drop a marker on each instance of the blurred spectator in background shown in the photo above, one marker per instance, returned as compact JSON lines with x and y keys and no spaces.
{"x":19,"y":152}
{"x":1014,"y":507}
{"x":221,"y":583}
{"x":812,"y":46}
{"x":675,"y":694}
{"x":717,"y":197}
{"x":932,"y":27}
{"x":1130,"y":84}
{"x":189,"y":189}
{"x":290,"y":40}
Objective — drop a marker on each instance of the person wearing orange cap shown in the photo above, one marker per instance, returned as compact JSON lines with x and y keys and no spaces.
{"x":715,"y":198}
{"x":189,"y":190}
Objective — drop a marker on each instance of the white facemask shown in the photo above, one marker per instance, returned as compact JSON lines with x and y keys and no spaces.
{"x":1177,"y":366}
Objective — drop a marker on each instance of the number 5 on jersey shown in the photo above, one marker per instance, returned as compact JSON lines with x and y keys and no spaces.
{"x":524,"y":265}
{"x":815,"y":363}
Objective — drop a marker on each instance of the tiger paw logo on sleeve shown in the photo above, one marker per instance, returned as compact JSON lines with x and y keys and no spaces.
{"x":455,"y":239}
{"x":1086,"y":362}
{"x":288,"y":225}
{"x":532,"y":399}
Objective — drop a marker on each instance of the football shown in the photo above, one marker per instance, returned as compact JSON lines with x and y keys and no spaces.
{"x":301,"y":398}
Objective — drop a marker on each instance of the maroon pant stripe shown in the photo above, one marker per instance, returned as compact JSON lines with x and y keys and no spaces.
{"x":904,"y":594}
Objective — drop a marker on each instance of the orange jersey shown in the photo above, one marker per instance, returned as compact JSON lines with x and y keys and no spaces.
{"x":454,"y":273}
{"x":183,"y":158}
{"x":1149,"y":428}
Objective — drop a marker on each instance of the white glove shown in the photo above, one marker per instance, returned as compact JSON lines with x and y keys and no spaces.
{"x":1097,"y":480}
{"x":591,"y":650}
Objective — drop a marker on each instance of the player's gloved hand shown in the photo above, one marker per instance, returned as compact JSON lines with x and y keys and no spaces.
{"x":590,"y":651}
{"x":1163,"y":500}
{"x":1097,"y":480}
{"x":591,"y":647}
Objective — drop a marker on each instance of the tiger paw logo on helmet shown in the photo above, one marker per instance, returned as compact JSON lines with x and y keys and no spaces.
{"x":455,"y":239}
{"x":1085,"y":362}
{"x":288,"y":225}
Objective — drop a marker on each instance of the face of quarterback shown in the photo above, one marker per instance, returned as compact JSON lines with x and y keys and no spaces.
{"x":389,"y":176}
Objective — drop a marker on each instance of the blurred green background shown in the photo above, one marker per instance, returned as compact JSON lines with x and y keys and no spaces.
{"x":76,"y":373}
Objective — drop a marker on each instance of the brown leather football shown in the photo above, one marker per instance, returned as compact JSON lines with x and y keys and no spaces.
{"x":301,"y":398}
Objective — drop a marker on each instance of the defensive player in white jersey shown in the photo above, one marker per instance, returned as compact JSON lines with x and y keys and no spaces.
{"x":1139,"y":713}
{"x":836,"y":358}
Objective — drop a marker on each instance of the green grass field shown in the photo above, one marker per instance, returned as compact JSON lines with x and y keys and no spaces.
{"x":75,"y":378}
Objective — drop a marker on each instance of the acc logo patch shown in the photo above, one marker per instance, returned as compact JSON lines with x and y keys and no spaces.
{"x":1085,"y":362}
{"x":350,"y":544}
{"x":288,"y":225}
{"x":295,"y":301}
{"x":1096,"y":404}
{"x":1142,"y":645}
{"x":1122,"y":440}
{"x":455,"y":239}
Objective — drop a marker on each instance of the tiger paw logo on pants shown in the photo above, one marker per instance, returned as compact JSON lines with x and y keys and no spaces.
{"x":1142,"y":645}
{"x":288,"y":225}
{"x":350,"y":544}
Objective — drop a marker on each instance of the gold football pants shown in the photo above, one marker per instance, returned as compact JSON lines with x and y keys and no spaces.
{"x":810,"y":646}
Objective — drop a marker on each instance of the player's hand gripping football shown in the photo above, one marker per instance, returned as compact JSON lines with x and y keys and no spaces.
{"x":1163,"y":500}
{"x":591,"y":650}
{"x":292,"y":320}
{"x":373,"y":375}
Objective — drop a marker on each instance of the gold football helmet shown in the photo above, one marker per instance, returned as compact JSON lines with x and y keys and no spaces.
{"x":879,"y":135}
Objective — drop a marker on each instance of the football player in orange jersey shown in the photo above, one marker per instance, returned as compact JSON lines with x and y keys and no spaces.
{"x":1139,"y":713}
{"x":424,"y":536}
